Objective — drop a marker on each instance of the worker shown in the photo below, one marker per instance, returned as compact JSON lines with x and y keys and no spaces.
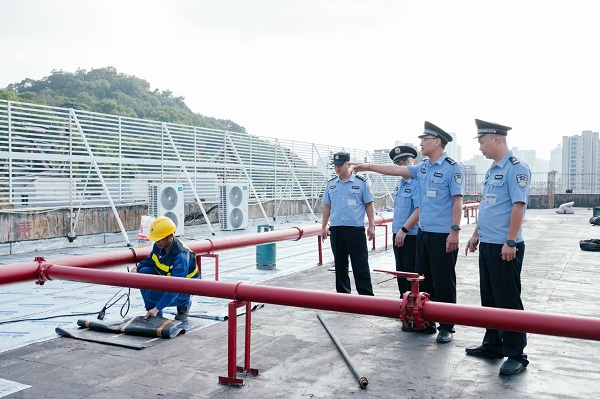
{"x":170,"y":258}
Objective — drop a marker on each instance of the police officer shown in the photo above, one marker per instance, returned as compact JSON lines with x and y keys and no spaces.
{"x":501,"y":245}
{"x":346,"y":200}
{"x":406,"y":216}
{"x":169,"y":257}
{"x":440,"y":180}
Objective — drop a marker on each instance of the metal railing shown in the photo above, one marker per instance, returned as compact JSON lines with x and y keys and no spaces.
{"x":56,"y":157}
{"x":65,"y":158}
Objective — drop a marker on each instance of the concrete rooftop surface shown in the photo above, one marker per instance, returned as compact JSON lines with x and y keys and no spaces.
{"x":295,"y":356}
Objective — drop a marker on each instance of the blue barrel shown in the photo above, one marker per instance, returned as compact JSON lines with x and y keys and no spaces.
{"x":266,"y":254}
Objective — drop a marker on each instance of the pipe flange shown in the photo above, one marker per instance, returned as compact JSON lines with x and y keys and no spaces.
{"x":42,"y":272}
{"x":300,"y":233}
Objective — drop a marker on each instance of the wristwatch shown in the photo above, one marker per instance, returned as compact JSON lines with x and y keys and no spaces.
{"x":511,"y":243}
{"x":404,"y":229}
{"x":455,"y":227}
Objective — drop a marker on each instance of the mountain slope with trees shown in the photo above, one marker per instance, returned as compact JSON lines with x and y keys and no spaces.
{"x":106,"y":91}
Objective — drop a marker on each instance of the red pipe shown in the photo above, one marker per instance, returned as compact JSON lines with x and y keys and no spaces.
{"x":470,"y":205}
{"x":514,"y":320}
{"x":501,"y":319}
{"x":237,"y":291}
{"x":26,"y":271}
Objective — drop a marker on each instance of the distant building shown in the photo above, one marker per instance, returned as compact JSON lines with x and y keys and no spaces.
{"x":580,"y":166}
{"x":556,"y":159}
{"x":526,"y":156}
{"x":471,"y":184}
{"x":453,"y":149}
{"x":381,"y":157}
{"x":480,"y":163}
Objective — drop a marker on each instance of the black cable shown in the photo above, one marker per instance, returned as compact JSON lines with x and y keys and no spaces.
{"x":126,"y":303}
{"x":127,"y":295}
{"x":48,"y":317}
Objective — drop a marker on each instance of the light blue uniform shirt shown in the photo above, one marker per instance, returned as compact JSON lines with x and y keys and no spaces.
{"x":347,"y":200}
{"x":438,"y":183}
{"x":505,"y":183}
{"x":406,"y":200}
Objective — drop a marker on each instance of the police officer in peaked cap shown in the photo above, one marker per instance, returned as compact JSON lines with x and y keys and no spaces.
{"x":501,"y":247}
{"x":346,"y":200}
{"x":406,"y":216}
{"x":432,"y":131}
{"x":440,"y":181}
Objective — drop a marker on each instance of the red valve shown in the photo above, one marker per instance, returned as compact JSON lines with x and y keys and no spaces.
{"x":411,"y":309}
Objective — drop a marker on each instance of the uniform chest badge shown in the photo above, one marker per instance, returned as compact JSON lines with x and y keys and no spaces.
{"x":438,"y":174}
{"x":498,"y":177}
{"x":332,"y":187}
{"x":408,"y":190}
{"x":355,"y":187}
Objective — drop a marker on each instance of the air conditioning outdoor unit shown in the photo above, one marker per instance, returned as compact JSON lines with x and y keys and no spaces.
{"x":233,"y":206}
{"x":166,"y":199}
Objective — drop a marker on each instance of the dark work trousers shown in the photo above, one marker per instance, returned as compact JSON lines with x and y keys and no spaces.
{"x":438,"y":267}
{"x":346,"y":240}
{"x":405,"y":260}
{"x":500,"y":287}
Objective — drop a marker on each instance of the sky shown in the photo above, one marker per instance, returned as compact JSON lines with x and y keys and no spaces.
{"x":356,"y":73}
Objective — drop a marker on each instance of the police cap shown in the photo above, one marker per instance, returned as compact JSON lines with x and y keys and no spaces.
{"x":402,"y":151}
{"x":433,"y":130}
{"x":484,"y":128}
{"x":340,"y":158}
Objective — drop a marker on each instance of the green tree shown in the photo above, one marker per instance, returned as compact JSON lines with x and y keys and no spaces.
{"x":107,"y":91}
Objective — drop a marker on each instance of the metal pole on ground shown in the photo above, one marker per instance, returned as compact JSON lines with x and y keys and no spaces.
{"x":362,"y":381}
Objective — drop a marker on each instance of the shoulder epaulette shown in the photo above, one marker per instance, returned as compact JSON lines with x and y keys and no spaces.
{"x":333,"y":178}
{"x":450,"y":161}
{"x":363,"y":178}
{"x":514,"y":160}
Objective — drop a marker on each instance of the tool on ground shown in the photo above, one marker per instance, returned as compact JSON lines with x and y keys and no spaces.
{"x":362,"y":381}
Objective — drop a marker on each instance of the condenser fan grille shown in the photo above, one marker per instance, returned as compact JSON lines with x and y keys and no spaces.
{"x":236,"y":196}
{"x":173,"y":217}
{"x":168,"y":198}
{"x":236,"y":218}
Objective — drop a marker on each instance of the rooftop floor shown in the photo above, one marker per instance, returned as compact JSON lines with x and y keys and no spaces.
{"x":293,"y":352}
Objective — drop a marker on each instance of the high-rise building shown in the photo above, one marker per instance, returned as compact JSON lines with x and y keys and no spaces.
{"x":453,"y":149}
{"x":470,"y":183}
{"x":580,"y":165}
{"x":556,"y":159}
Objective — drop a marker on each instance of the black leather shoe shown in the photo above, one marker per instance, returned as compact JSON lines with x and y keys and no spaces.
{"x":484,"y":351}
{"x":444,"y":336}
{"x":513,"y":366}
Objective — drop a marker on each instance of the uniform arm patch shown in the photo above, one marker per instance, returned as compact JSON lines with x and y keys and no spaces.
{"x":522,"y":180}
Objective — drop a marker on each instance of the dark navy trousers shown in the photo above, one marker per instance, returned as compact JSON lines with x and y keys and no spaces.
{"x":438,"y":267}
{"x":351,"y":241}
{"x":405,"y":260}
{"x":500,"y":287}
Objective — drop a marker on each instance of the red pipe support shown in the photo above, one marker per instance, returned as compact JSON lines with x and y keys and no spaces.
{"x":485,"y":317}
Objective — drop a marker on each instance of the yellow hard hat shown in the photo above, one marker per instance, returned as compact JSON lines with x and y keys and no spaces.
{"x":160,"y":228}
